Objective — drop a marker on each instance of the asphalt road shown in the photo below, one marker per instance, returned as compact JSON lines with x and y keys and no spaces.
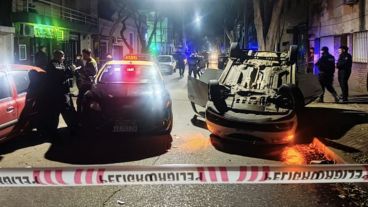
{"x":189,"y":143}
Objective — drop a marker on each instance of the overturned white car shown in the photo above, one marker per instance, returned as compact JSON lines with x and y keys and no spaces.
{"x":256,"y":97}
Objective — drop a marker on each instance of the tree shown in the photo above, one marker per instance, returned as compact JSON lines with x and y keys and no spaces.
{"x":120,"y":16}
{"x":267,"y":21}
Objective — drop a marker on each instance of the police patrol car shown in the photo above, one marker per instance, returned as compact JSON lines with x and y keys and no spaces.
{"x":129,"y":96}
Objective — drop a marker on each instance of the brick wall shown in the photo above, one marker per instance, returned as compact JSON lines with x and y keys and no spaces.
{"x":358,"y":79}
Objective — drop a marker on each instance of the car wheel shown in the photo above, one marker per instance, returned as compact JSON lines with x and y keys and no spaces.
{"x":293,"y":93}
{"x":168,"y":130}
{"x":216,"y":96}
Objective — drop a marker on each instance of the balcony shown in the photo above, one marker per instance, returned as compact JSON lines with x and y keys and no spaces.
{"x":28,"y":10}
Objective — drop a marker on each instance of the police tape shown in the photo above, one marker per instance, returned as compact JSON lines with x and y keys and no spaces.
{"x":183,"y":174}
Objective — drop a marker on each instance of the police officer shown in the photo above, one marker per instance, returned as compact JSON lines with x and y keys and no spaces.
{"x":181,"y":64}
{"x":41,"y":58}
{"x":193,"y":64}
{"x":56,"y":96}
{"x":326,"y":64}
{"x":344,"y":64}
{"x":85,"y":76}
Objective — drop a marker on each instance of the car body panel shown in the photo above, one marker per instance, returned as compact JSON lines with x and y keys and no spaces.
{"x":254,"y":97}
{"x":12,"y":106}
{"x":198,"y":88}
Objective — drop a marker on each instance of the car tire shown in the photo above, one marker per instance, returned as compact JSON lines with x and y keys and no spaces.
{"x":293,"y":92}
{"x":169,"y":129}
{"x":216,"y":97}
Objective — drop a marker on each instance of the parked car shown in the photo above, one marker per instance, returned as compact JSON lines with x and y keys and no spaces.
{"x":128,"y":96}
{"x":14,"y":82}
{"x":256,"y":97}
{"x":167,"y":64}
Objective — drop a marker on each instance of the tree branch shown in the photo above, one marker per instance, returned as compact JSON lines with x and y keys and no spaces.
{"x":129,"y":46}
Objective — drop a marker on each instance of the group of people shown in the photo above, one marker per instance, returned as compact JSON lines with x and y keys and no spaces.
{"x":193,"y":62}
{"x":50,"y":91}
{"x":327,"y":65}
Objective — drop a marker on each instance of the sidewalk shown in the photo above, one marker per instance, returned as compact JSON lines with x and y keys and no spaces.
{"x":350,"y":127}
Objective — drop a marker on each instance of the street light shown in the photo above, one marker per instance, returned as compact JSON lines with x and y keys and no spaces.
{"x":197,"y":20}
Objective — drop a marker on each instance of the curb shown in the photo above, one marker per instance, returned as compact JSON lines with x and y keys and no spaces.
{"x":333,"y":154}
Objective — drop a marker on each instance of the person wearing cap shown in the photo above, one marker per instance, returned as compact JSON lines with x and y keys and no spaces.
{"x":56,"y":96}
{"x":326,"y":65}
{"x":344,"y":64}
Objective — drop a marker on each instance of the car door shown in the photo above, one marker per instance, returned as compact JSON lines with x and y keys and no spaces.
{"x":309,"y":86}
{"x":21,"y":82}
{"x":8,"y":106}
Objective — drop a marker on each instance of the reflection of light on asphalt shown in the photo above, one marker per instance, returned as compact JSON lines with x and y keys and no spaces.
{"x":292,"y":155}
{"x":195,"y":143}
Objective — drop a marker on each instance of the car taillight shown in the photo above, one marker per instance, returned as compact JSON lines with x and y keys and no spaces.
{"x":130,"y":69}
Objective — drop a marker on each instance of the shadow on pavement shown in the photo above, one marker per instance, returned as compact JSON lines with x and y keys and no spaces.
{"x":23,"y":141}
{"x":358,"y":99}
{"x":327,"y":123}
{"x":106,"y":149}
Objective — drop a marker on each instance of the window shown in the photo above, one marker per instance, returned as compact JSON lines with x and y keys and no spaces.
{"x":4,"y":87}
{"x":22,"y":52}
{"x":129,"y":74}
{"x":21,"y":81}
{"x":360,"y":47}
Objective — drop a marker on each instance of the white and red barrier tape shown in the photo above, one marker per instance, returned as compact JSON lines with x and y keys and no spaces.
{"x":183,"y":174}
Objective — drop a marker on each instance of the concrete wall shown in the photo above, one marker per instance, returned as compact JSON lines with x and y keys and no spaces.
{"x":6,"y":44}
{"x":105,"y":28}
{"x":334,"y":26}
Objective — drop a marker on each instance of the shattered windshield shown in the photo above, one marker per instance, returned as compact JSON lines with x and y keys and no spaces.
{"x":183,"y":103}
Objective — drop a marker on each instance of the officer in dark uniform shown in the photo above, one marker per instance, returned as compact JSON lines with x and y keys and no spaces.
{"x":192,"y":65}
{"x":344,"y":64}
{"x":181,"y":64}
{"x":57,"y":96}
{"x":326,"y":65}
{"x":41,"y":58}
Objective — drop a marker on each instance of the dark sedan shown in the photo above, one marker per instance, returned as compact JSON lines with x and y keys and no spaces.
{"x":129,"y":97}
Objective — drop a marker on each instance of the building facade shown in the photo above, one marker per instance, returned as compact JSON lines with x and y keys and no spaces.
{"x":342,"y":22}
{"x":56,"y":24}
{"x":110,"y":40}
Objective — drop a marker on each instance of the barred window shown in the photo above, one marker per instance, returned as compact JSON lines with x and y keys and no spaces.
{"x":360,"y":47}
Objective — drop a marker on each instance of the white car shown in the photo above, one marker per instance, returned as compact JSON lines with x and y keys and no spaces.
{"x":256,"y":97}
{"x":167,"y":64}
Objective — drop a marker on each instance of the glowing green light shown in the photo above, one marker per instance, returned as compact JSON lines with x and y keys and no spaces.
{"x":50,"y":32}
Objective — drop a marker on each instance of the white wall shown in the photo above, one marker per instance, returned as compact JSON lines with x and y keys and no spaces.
{"x":7,"y":44}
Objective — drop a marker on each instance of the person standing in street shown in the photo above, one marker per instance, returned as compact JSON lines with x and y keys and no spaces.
{"x":85,"y":76}
{"x":344,"y":64}
{"x":326,"y":65}
{"x":41,"y":58}
{"x":310,"y":60}
{"x":193,"y":64}
{"x":56,"y":96}
{"x":181,"y":64}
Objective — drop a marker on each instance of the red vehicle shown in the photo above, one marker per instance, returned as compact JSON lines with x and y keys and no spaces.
{"x":14,"y":82}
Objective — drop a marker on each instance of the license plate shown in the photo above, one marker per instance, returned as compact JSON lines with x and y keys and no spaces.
{"x":125,"y":126}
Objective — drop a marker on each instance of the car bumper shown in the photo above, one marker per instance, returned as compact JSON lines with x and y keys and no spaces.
{"x":166,"y":69}
{"x":281,"y":131}
{"x":144,"y":123}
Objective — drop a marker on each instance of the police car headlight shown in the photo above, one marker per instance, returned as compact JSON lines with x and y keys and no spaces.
{"x":95,"y":106}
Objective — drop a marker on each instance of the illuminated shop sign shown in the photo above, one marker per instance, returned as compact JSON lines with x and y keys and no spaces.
{"x":51,"y":32}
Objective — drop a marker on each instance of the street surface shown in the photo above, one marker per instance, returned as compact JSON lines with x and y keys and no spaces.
{"x":189,"y":143}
